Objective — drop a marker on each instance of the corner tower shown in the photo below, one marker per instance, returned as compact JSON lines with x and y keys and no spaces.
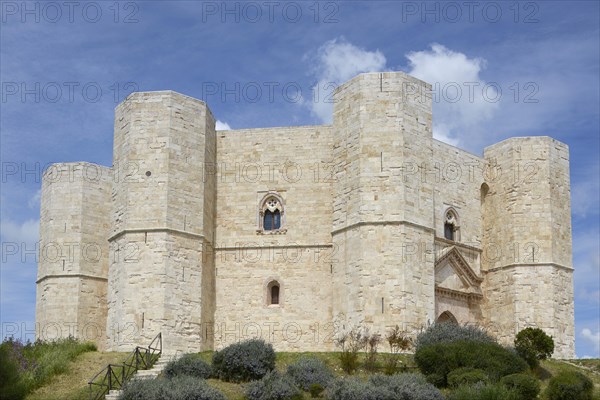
{"x":382,"y":209}
{"x":527,"y":250}
{"x":161,"y":274}
{"x":73,"y":258}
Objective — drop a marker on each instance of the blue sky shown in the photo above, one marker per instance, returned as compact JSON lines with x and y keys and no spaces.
{"x":64,"y":67}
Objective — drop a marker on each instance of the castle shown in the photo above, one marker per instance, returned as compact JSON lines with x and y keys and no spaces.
{"x":296,"y":233}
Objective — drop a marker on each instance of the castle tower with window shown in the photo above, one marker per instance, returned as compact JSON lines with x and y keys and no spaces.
{"x":296,"y":234}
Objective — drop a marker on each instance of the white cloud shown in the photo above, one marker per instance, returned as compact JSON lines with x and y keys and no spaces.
{"x":27,"y":232}
{"x":335,"y":62}
{"x":222,"y":126}
{"x":460,"y":102}
{"x":34,"y":201}
{"x":593,"y":338}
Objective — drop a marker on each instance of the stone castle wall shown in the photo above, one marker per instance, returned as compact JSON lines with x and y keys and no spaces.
{"x":362,"y":239}
{"x":296,"y":164}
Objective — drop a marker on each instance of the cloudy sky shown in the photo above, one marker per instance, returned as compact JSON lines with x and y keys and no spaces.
{"x":501,"y":69}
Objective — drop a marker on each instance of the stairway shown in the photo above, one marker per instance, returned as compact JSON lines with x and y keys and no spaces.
{"x":151,"y":373}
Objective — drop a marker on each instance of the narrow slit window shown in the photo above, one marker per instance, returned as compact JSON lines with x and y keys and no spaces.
{"x":275,"y":294}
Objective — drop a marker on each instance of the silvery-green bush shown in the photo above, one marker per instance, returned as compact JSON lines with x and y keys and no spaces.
{"x":407,"y":386}
{"x":190,"y":365}
{"x":309,"y":371}
{"x":273,"y":386}
{"x":446,"y":332}
{"x":244,"y":361}
{"x":180,"y":387}
{"x":384,"y":387}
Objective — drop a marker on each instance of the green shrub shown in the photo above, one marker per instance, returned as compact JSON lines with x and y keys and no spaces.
{"x":315,"y":390}
{"x":273,"y":386}
{"x":487,"y":391}
{"x":526,"y":385}
{"x":570,"y":385}
{"x":446,"y":332}
{"x":532,"y":344}
{"x":11,"y":383}
{"x":244,"y":361}
{"x":188,"y":364}
{"x":36,"y":363}
{"x":310,"y":371}
{"x":178,"y":388}
{"x":407,"y":386}
{"x":438,"y":360}
{"x":466,"y":377}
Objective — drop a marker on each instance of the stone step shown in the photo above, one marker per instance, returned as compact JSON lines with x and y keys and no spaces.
{"x":144,"y":374}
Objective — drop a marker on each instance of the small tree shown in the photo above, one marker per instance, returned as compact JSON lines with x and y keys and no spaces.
{"x":533,"y":344}
{"x":351,"y":343}
{"x":372,"y":345}
{"x":398,"y":341}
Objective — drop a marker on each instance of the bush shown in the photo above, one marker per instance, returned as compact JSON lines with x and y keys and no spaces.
{"x":273,"y":386}
{"x":383,"y":387}
{"x":466,"y":377}
{"x":407,"y":386}
{"x":533,"y":345}
{"x":436,"y":361}
{"x":244,"y":361}
{"x":178,"y":388}
{"x":11,"y":383}
{"x":446,"y":332}
{"x":570,"y":385}
{"x":484,"y":392}
{"x":527,"y":386}
{"x":355,"y":389}
{"x":190,"y":365}
{"x":307,"y":372}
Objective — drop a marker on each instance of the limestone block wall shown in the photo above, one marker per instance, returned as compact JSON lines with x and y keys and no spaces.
{"x":163,"y":222}
{"x":295,"y":163}
{"x":73,"y":263}
{"x":457,"y":177}
{"x":382,"y":211}
{"x":527,"y":241}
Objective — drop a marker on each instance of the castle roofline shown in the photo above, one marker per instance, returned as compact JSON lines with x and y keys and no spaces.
{"x":384,"y":74}
{"x":161,"y":93}
{"x":277,"y":128}
{"x":521,"y":138}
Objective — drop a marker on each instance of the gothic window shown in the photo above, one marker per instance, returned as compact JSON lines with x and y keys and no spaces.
{"x":451,"y":225}
{"x":273,"y":293}
{"x":271,"y":214}
{"x":447,"y":317}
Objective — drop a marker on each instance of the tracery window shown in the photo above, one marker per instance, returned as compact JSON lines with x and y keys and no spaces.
{"x":451,"y":227}
{"x":271,"y":214}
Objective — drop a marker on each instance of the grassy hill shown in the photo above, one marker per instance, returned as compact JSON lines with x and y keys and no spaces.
{"x":72,"y":385}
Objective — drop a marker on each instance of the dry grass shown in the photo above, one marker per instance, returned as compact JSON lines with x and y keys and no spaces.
{"x":72,"y":385}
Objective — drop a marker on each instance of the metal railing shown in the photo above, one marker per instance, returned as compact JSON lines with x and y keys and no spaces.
{"x":114,"y":376}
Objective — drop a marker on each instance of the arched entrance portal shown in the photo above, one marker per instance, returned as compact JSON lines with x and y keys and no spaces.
{"x":447,"y":316}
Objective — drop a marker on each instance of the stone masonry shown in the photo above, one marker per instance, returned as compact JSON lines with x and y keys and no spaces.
{"x":295,"y":234}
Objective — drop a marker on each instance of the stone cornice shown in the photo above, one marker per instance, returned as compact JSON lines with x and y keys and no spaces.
{"x":273,"y":246}
{"x":525,"y":265}
{"x":375,"y":223}
{"x":82,"y":276}
{"x":457,"y":294}
{"x":166,"y":230}
{"x":457,"y":244}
